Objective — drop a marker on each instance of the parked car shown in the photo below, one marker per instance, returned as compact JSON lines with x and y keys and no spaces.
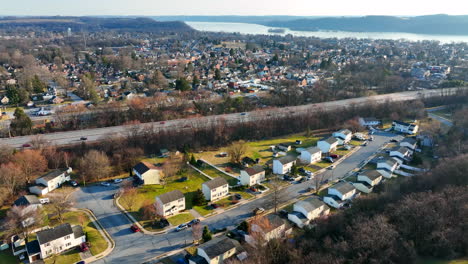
{"x":238,"y":196}
{"x":329,"y":159}
{"x":162,"y":122}
{"x":243,"y":113}
{"x":283,"y":213}
{"x":214,"y":205}
{"x":393,"y":140}
{"x":334,"y":156}
{"x":105,"y":184}
{"x":364,"y":144}
{"x":193,"y":222}
{"x":135,"y":228}
{"x":26,"y":145}
{"x":118,"y":180}
{"x":73,"y":183}
{"x":258,"y":210}
{"x":181,"y":227}
{"x":324,"y":181}
{"x":83,"y":138}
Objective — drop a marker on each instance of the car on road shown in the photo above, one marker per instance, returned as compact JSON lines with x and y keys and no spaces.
{"x":118,"y":180}
{"x":243,"y":114}
{"x":73,"y":183}
{"x":324,"y":181}
{"x":83,"y":138}
{"x":309,"y":177}
{"x":105,"y":184}
{"x":258,"y":210}
{"x":193,"y":222}
{"x":135,"y":228}
{"x":181,"y":227}
{"x":26,"y":145}
{"x":364,"y":144}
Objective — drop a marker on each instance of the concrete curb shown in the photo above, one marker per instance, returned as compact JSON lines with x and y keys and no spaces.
{"x":104,"y":233}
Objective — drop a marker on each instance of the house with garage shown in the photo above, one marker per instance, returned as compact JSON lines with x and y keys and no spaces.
{"x":410,"y":143}
{"x":307,"y":210}
{"x":328,"y":145}
{"x":284,"y":164}
{"x":369,"y":121}
{"x":406,"y":128}
{"x":29,"y":203}
{"x":50,"y":181}
{"x":366,"y":180}
{"x":170,"y":203}
{"x":344,"y":135}
{"x":284,"y":147}
{"x":218,"y":251}
{"x":252,"y":176}
{"x":55,"y":241}
{"x":311,"y":155}
{"x":387,"y":166}
{"x":402,"y":153}
{"x":340,"y":194}
{"x":147,"y":173}
{"x":266,"y":228}
{"x":215,"y":189}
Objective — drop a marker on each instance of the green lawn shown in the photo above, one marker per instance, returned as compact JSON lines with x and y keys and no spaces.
{"x":7,"y":258}
{"x":216,"y":173}
{"x":323,"y":164}
{"x":355,"y":143}
{"x":203,"y":210}
{"x":180,"y":218}
{"x":69,"y":257}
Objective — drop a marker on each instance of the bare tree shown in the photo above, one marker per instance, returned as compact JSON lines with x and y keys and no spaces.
{"x":197,"y":232}
{"x":31,"y":163}
{"x":60,"y":202}
{"x":11,"y":177}
{"x":236,"y":150}
{"x":94,"y":165}
{"x":276,"y":192}
{"x":38,"y":142}
{"x":129,"y":195}
{"x":22,"y":219}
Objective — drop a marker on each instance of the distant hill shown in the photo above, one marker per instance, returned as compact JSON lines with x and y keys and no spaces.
{"x":432,"y":24}
{"x":94,"y":24}
{"x":232,"y":19}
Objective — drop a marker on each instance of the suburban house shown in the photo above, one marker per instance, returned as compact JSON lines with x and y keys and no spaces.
{"x":307,"y":210}
{"x":410,"y":143}
{"x":170,"y":203}
{"x":284,"y":147}
{"x":328,"y":145}
{"x":367,"y":180}
{"x":404,"y":127}
{"x":50,"y":181}
{"x":311,"y":155}
{"x":217,"y":251}
{"x":29,"y":203}
{"x":344,"y":134}
{"x":283,"y":165}
{"x":401,"y":152}
{"x":339,"y":194}
{"x":253,"y":175}
{"x":369,"y":121}
{"x":54,"y":241}
{"x":266,"y":228}
{"x":215,"y":189}
{"x":147,"y":172}
{"x":387,"y":166}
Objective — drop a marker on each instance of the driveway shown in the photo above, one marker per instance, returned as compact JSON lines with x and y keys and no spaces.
{"x":137,"y":247}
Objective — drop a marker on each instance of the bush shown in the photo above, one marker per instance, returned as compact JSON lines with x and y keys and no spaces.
{"x":207,"y":236}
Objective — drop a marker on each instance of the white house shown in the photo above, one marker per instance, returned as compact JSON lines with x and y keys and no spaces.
{"x":367,"y":180}
{"x":369,"y":121}
{"x":406,"y":128}
{"x":307,"y":210}
{"x":328,"y":145}
{"x":215,"y":189}
{"x":50,"y":181}
{"x":266,"y":228}
{"x":252,"y":176}
{"x":283,"y":165}
{"x":387,"y":166}
{"x":410,"y":143}
{"x":28,"y":203}
{"x":311,"y":155}
{"x":401,"y":152}
{"x":344,"y":134}
{"x":339,"y":194}
{"x":284,"y":147}
{"x":54,"y":241}
{"x":170,"y":203}
{"x":217,"y":251}
{"x":147,"y":172}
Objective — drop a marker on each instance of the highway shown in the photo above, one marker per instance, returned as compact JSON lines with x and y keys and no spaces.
{"x":97,"y":134}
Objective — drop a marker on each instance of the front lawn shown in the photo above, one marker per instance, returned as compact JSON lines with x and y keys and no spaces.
{"x":203,"y":209}
{"x":68,"y":257}
{"x":7,"y":258}
{"x":180,"y":218}
{"x":323,"y":164}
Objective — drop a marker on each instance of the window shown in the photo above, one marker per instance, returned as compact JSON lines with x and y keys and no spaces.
{"x":48,"y":244}
{"x":68,"y":245}
{"x":67,"y":237}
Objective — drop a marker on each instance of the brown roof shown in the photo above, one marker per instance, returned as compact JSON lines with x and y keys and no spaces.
{"x":254,"y":170}
{"x":216,"y":182}
{"x":171,"y":196}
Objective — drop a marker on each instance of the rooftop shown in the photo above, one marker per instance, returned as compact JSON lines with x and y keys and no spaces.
{"x":144,"y":166}
{"x":218,"y":246}
{"x":371,"y":174}
{"x":287,"y":159}
{"x":215,"y":183}
{"x":313,"y":150}
{"x":26,"y":200}
{"x":343,"y":187}
{"x":170,"y":196}
{"x":52,"y":234}
{"x":310,"y":204}
{"x":254,"y":170}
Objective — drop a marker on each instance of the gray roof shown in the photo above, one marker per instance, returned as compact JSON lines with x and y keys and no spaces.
{"x":300,"y":216}
{"x":310,"y":204}
{"x":143,"y":167}
{"x":215,"y":183}
{"x":77,"y":231}
{"x":52,"y":174}
{"x":254,"y":170}
{"x":343,"y":187}
{"x":171,"y":196}
{"x":52,"y":234}
{"x":286,"y":159}
{"x":26,"y":200}
{"x":313,"y":150}
{"x":370,"y":119}
{"x":345,"y":131}
{"x":219,"y":246}
{"x":371,"y":174}
{"x":411,"y":141}
{"x":402,"y":150}
{"x":390,"y":162}
{"x":330,"y":140}
{"x":274,"y":221}
{"x":33,"y":247}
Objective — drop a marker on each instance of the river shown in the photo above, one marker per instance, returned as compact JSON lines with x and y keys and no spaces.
{"x":245,"y":28}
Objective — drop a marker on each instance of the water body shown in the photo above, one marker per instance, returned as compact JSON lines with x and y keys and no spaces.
{"x":245,"y":28}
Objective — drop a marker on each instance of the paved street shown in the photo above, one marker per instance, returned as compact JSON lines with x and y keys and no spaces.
{"x":73,"y":137}
{"x":131,"y":246}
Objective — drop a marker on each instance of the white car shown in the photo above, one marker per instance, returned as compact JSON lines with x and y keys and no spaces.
{"x":105,"y":184}
{"x":117,"y":180}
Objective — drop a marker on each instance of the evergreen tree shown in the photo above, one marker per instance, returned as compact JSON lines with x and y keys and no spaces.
{"x":182,"y":84}
{"x":206,"y":234}
{"x":38,"y":85}
{"x":198,"y":198}
{"x":217,"y":75}
{"x":22,"y":124}
{"x":12,"y":94}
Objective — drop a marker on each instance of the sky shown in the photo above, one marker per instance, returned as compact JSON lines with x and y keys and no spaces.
{"x":233,"y":7}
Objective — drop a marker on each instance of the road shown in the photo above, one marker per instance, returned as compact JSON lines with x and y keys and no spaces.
{"x":72,"y":137}
{"x":131,"y":247}
{"x":442,"y":120}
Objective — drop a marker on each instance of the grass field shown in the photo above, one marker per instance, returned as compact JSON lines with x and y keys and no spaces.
{"x":7,"y":258}
{"x":180,"y":219}
{"x":216,"y":173}
{"x":68,"y":257}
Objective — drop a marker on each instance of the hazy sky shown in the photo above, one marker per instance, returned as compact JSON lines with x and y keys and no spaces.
{"x":233,"y":7}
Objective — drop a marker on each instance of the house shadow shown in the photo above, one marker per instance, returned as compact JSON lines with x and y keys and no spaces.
{"x":114,"y":220}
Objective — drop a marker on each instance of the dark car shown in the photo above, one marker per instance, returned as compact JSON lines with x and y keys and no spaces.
{"x":214,"y":206}
{"x":83,"y":138}
{"x":193,"y":222}
{"x":74,"y":183}
{"x":301,"y":170}
{"x":26,"y":145}
{"x":283,"y":213}
{"x":238,"y":196}
{"x":393,"y":140}
{"x":334,"y":156}
{"x":135,"y":228}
